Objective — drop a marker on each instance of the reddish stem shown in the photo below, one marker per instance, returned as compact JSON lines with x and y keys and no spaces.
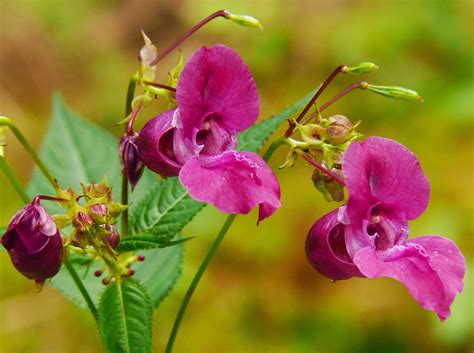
{"x":220,"y":13}
{"x":38,"y":198}
{"x":324,"y":170}
{"x":321,"y":89}
{"x":132,"y":119}
{"x":360,"y":84}
{"x":159,"y":85}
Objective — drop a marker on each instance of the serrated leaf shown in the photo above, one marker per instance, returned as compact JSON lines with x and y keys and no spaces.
{"x":148,"y":241}
{"x":126,"y":318}
{"x":255,"y":137}
{"x":163,"y":213}
{"x":76,"y":151}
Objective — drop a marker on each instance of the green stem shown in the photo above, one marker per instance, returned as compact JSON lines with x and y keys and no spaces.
{"x":82,"y":289}
{"x":4,"y":121}
{"x":13,"y":180}
{"x":128,"y":109}
{"x":187,"y":297}
{"x":273,"y":147}
{"x":210,"y":254}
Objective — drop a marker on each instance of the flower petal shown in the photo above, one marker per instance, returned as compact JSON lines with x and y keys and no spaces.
{"x":216,"y":81}
{"x":383,"y":170}
{"x":155,"y":145}
{"x":326,"y":249}
{"x":446,"y":259}
{"x":432,"y":285}
{"x":234,"y":182}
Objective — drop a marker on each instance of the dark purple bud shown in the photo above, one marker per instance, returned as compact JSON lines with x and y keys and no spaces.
{"x":339,"y":129}
{"x":99,"y":212}
{"x":82,"y":222}
{"x":34,"y":243}
{"x":130,"y":161}
{"x":106,"y":281}
{"x":113,"y":238}
{"x":156,"y":147}
{"x":98,"y":273}
{"x":140,"y":258}
{"x":131,"y":272}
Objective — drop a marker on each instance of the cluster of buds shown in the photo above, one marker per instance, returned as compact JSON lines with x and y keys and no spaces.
{"x":324,"y":142}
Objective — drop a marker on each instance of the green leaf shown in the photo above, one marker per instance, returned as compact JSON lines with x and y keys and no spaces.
{"x":76,"y":151}
{"x":255,"y":137}
{"x":148,"y":241}
{"x":161,"y":215}
{"x":126,"y":318}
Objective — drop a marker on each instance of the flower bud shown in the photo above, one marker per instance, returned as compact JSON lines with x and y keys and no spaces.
{"x":339,"y":129}
{"x":82,"y":222}
{"x":330,"y":188}
{"x":113,"y":237}
{"x":130,"y":159}
{"x":34,"y":243}
{"x":395,"y":92}
{"x":362,"y":68}
{"x":98,"y":191}
{"x":244,"y":20}
{"x":79,"y":239}
{"x":99,"y":213}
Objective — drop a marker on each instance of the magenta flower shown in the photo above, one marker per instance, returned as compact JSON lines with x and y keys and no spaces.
{"x":217,"y":98}
{"x":368,"y":236}
{"x":34,"y":243}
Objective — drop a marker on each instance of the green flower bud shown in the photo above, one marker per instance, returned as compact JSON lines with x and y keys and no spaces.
{"x":244,"y":20}
{"x":310,"y":133}
{"x":395,"y":92}
{"x":330,"y":188}
{"x":339,"y":129}
{"x":362,"y":68}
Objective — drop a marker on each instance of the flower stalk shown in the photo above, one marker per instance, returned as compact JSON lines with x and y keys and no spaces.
{"x":7,"y":122}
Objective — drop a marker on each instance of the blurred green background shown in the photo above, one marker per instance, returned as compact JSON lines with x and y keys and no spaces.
{"x":259,"y":295}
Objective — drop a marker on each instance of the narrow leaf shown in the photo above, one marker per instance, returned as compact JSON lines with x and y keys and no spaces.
{"x":126,"y":318}
{"x":148,"y":241}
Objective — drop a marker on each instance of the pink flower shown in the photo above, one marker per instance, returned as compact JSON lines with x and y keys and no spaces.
{"x":217,"y":98}
{"x":368,"y":236}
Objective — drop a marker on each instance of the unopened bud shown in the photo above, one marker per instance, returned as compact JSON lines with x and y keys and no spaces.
{"x":140,"y":258}
{"x":310,"y":133}
{"x":82,"y":222}
{"x":330,"y":188}
{"x":98,"y":190}
{"x":339,"y":129}
{"x":362,"y":68}
{"x":99,"y":213}
{"x":244,"y":20}
{"x":79,"y":239}
{"x":106,"y":281}
{"x":130,"y":161}
{"x":98,"y":273}
{"x":395,"y":92}
{"x":113,"y":237}
{"x":131,"y":272}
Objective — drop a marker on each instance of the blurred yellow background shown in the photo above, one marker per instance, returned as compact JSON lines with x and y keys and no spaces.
{"x":259,"y":295}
